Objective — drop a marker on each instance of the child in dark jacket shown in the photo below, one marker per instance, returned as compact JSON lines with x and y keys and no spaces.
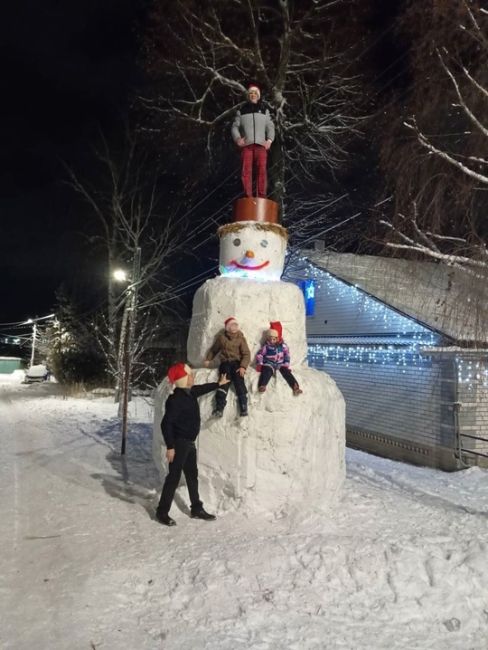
{"x":234,"y":353}
{"x":273,"y":356}
{"x":180,"y":427}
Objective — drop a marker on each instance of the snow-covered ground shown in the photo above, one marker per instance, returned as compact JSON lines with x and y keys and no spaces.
{"x":400,"y":563}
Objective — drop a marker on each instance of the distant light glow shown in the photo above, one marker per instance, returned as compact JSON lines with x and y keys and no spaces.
{"x":308,"y":289}
{"x":338,"y":290}
{"x":120,"y":275}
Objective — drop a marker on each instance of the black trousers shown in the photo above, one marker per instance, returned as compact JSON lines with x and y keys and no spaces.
{"x":230,"y":368}
{"x":267,"y":372}
{"x":185,"y":461}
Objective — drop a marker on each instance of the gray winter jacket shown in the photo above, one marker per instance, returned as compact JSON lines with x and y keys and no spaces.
{"x":253,"y":122}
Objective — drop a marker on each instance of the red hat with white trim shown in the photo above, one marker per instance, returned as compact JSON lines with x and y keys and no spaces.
{"x":178,"y":374}
{"x":254,"y":88}
{"x":228,"y":321}
{"x":275,"y":326}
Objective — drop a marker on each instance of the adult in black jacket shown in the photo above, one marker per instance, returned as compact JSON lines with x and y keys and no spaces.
{"x":180,"y":427}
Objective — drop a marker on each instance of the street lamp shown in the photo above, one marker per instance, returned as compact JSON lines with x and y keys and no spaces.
{"x":34,"y":337}
{"x":127,"y":339}
{"x":34,"y":322}
{"x":120,"y":275}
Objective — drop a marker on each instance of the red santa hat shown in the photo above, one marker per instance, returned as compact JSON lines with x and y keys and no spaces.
{"x":228,"y":321}
{"x":254,"y":87}
{"x":178,"y":374}
{"x":276,"y":329}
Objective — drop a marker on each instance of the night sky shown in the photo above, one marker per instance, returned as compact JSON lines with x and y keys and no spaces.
{"x":69,"y":70}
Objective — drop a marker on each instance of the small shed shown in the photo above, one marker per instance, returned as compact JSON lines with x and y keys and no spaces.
{"x":9,"y":364}
{"x":407,"y":344}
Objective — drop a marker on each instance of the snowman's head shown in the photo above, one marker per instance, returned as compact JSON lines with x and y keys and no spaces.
{"x":253,"y":250}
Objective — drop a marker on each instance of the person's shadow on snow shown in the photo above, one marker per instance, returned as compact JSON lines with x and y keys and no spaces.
{"x":136,"y":479}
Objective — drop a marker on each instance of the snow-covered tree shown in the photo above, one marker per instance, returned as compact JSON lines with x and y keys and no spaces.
{"x":440,"y":174}
{"x":202,"y":55}
{"x":69,"y":345}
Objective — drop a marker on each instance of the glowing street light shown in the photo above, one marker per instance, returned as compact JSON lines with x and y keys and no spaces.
{"x":125,"y":360}
{"x":120,"y":275}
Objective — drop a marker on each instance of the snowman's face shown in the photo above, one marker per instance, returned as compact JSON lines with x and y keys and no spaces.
{"x":252,"y":253}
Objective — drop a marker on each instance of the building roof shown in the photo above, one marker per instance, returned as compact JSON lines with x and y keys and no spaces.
{"x":444,"y":298}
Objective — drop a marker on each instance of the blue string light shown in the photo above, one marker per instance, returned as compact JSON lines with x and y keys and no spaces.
{"x":406,"y":337}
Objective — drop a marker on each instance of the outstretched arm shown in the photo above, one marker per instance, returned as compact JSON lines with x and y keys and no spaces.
{"x":236,"y":127}
{"x":214,"y":350}
{"x":260,"y":355}
{"x":245,"y":354}
{"x":286,"y":356}
{"x":269,"y":128}
{"x":203,"y":389}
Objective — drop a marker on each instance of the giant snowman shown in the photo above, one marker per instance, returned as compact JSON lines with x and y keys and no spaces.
{"x":289,"y":452}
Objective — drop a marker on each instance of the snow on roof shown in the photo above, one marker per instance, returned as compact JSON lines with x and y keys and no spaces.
{"x":445,"y":298}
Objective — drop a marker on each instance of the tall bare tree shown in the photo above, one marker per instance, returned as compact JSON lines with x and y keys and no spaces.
{"x":202,"y":55}
{"x":140,"y":234}
{"x":440,"y":174}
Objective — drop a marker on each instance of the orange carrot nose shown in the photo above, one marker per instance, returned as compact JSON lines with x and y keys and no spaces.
{"x":249,"y":254}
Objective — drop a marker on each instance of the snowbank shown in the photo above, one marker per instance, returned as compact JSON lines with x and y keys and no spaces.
{"x":400,"y":564}
{"x":288,"y":453}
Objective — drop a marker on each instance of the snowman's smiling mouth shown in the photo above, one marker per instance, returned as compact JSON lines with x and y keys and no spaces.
{"x":248,"y":267}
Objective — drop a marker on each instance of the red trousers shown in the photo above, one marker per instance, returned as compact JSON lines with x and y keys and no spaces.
{"x":254,"y":155}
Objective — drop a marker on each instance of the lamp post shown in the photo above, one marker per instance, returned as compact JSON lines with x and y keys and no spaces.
{"x":127,"y":331}
{"x":34,"y":322}
{"x":34,"y":337}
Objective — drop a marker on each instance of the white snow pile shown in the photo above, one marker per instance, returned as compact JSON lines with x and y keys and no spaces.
{"x":289,"y":450}
{"x":36,"y":372}
{"x":254,"y":304}
{"x":285,"y":454}
{"x":17,"y":376}
{"x":399,"y":563}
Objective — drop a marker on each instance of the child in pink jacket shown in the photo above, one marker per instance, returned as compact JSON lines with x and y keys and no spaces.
{"x":273,"y":356}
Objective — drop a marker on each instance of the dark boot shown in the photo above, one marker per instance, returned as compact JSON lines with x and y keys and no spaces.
{"x":242,"y":404}
{"x":200,"y":513}
{"x":165,"y":519}
{"x":220,"y":402}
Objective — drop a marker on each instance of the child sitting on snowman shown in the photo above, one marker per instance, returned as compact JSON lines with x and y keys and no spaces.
{"x":234,"y":353}
{"x":273,"y":356}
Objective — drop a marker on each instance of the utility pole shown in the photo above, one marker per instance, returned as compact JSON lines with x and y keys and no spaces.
{"x":34,"y":336}
{"x":131,"y":306}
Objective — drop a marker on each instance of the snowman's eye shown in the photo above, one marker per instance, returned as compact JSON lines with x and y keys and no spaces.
{"x":264,"y":243}
{"x":237,"y":242}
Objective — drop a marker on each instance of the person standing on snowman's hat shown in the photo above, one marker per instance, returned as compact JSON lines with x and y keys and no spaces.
{"x":180,"y":426}
{"x":234,"y":360}
{"x":253,"y":131}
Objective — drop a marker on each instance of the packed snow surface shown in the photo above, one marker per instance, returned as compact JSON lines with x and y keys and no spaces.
{"x":254,"y":304}
{"x":286,"y":452}
{"x":399,"y":563}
